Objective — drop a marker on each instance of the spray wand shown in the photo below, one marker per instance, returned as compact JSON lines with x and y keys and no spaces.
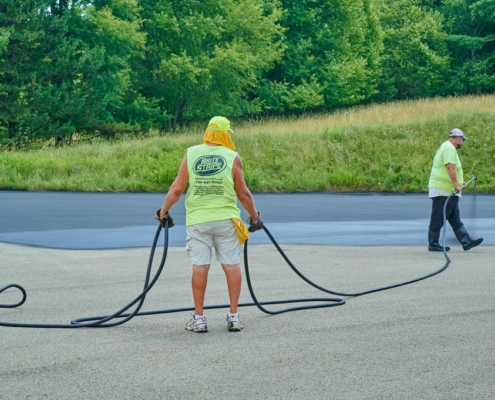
{"x":465,"y":184}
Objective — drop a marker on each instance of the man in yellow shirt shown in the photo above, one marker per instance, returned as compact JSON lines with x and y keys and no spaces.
{"x":445,"y":178}
{"x":214,"y":173}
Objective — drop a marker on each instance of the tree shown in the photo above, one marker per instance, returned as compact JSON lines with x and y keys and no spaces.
{"x":204,"y":57}
{"x":470,"y":25}
{"x":14,"y":57}
{"x":332,"y":56}
{"x":415,"y":58}
{"x":65,"y":65}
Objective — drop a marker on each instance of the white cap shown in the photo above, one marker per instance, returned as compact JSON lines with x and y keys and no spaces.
{"x":457,"y":132}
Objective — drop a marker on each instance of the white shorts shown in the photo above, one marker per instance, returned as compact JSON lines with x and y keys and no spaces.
{"x":221,"y":235}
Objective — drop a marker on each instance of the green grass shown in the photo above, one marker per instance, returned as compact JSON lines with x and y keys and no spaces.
{"x":378,"y":148}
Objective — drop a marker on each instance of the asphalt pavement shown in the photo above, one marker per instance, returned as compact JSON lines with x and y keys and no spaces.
{"x":431,"y":339}
{"x":125,"y":220}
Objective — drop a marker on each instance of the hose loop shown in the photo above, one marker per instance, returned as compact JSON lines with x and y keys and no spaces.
{"x":21,"y":302}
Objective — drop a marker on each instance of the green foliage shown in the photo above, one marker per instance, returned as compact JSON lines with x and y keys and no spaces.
{"x":4,"y":39}
{"x":206,"y":57}
{"x":415,"y":59}
{"x":335,"y":61}
{"x":311,"y":154}
{"x":280,"y":97}
{"x":110,"y":67}
{"x":64,"y":69}
{"x":470,"y":25}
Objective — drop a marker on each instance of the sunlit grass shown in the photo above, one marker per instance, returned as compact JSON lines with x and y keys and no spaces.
{"x":403,"y":112}
{"x":378,"y":148}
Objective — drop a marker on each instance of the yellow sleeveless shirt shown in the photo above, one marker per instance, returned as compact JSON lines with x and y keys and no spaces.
{"x":211,"y":195}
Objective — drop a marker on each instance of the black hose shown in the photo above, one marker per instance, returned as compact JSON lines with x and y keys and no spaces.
{"x":338,"y":301}
{"x":105,"y":320}
{"x":24,"y":295}
{"x":334,"y":292}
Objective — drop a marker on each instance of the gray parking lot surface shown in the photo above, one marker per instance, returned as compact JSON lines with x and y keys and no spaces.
{"x":428,"y":340}
{"x":432,"y":339}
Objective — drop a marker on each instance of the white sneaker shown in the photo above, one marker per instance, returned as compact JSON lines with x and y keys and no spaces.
{"x":197,"y":324}
{"x":234,"y":323}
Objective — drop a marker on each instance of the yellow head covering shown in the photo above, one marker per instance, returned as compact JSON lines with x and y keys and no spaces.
{"x":218,"y":132}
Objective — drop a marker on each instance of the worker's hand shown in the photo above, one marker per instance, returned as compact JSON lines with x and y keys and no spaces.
{"x":255,"y":225}
{"x":167,"y":217}
{"x":458,"y":189}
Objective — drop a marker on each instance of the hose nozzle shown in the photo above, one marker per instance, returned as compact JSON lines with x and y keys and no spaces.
{"x":465,"y":184}
{"x":469,"y":181}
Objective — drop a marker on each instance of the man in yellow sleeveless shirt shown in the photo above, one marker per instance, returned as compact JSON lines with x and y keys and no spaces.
{"x":214,"y":173}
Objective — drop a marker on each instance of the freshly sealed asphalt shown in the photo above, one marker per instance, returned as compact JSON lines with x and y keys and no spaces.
{"x":80,"y":255}
{"x":125,"y":220}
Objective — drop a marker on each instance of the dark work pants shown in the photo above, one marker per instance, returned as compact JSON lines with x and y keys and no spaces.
{"x":452,"y":213}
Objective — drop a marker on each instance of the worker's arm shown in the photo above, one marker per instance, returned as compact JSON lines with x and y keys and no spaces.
{"x":243,"y":193}
{"x":453,"y":176}
{"x":176,"y":189}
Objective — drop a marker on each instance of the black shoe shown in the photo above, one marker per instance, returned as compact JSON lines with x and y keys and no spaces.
{"x":433,"y":241}
{"x":438,"y":248}
{"x":473,"y":243}
{"x":463,"y":236}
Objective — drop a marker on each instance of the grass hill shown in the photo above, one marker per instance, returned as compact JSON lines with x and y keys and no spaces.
{"x":376,"y":148}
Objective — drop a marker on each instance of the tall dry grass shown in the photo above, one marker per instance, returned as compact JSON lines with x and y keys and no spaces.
{"x":400,"y":112}
{"x":378,"y":148}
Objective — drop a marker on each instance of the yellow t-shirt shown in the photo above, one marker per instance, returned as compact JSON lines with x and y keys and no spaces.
{"x":439,"y":176}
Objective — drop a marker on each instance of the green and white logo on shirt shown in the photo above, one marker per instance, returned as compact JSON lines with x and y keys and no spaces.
{"x":209,"y":165}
